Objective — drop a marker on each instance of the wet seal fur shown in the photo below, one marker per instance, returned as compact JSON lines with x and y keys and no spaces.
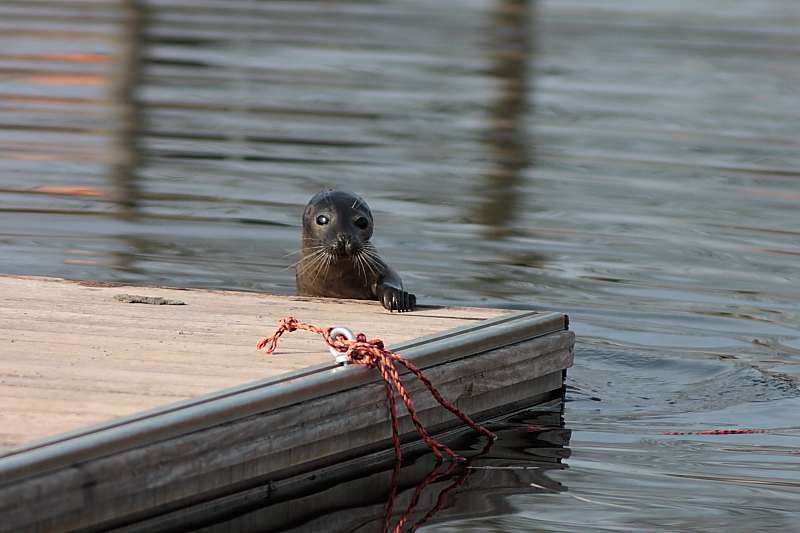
{"x":339,"y":261}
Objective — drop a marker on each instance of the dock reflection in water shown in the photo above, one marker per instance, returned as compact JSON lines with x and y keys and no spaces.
{"x":356,"y":496}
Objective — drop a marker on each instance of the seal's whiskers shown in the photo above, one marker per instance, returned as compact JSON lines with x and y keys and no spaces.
{"x":316,"y":263}
{"x":372,"y":258}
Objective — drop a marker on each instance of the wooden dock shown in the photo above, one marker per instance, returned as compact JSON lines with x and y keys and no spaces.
{"x":74,"y":355}
{"x":113,"y":412}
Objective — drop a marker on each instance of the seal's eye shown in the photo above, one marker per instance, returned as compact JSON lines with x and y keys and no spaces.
{"x":362,"y":223}
{"x":322,"y":220}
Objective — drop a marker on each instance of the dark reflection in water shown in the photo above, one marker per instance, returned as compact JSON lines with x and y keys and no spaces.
{"x":353,"y":496}
{"x":124,"y":156}
{"x":506,"y":136}
{"x":632,"y":164}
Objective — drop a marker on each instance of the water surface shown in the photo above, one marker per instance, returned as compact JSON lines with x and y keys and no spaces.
{"x":634,"y":164}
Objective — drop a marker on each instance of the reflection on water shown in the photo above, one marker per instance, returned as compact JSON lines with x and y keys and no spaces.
{"x":373,"y":495}
{"x":124,"y":156}
{"x":632,"y":164}
{"x":505,"y":134}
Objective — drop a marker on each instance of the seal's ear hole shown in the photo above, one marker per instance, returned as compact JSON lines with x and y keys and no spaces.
{"x":322,"y":220}
{"x":362,"y":223}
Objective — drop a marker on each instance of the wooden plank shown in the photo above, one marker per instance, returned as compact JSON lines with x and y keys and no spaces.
{"x":178,"y":456}
{"x":72,"y":355}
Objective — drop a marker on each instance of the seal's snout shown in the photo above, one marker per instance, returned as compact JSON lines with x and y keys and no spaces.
{"x":347,"y":246}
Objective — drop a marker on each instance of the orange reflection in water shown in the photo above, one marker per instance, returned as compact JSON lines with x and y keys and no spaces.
{"x":66,"y":80}
{"x":70,"y":191}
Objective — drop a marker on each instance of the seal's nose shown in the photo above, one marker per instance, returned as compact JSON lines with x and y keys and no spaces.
{"x":346,"y":245}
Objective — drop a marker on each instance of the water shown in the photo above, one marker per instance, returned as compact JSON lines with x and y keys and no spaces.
{"x":634,"y":164}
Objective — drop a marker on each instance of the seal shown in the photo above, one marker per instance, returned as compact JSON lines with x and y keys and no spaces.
{"x":339,"y":261}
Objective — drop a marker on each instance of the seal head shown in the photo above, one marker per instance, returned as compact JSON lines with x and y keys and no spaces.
{"x":339,"y":261}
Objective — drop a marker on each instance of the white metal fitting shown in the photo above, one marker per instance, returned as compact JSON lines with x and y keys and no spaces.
{"x":348,"y":334}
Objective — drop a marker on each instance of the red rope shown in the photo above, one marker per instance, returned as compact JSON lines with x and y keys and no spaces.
{"x":432,"y":477}
{"x":387,"y":516}
{"x":440,"y":501}
{"x":720,"y":432}
{"x":374,"y":355}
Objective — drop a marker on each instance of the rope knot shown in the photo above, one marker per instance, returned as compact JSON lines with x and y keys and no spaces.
{"x":362,"y":352}
{"x":377,"y":343}
{"x":288,"y":324}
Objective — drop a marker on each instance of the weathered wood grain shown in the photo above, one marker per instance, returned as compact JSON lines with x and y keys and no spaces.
{"x":72,"y":355}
